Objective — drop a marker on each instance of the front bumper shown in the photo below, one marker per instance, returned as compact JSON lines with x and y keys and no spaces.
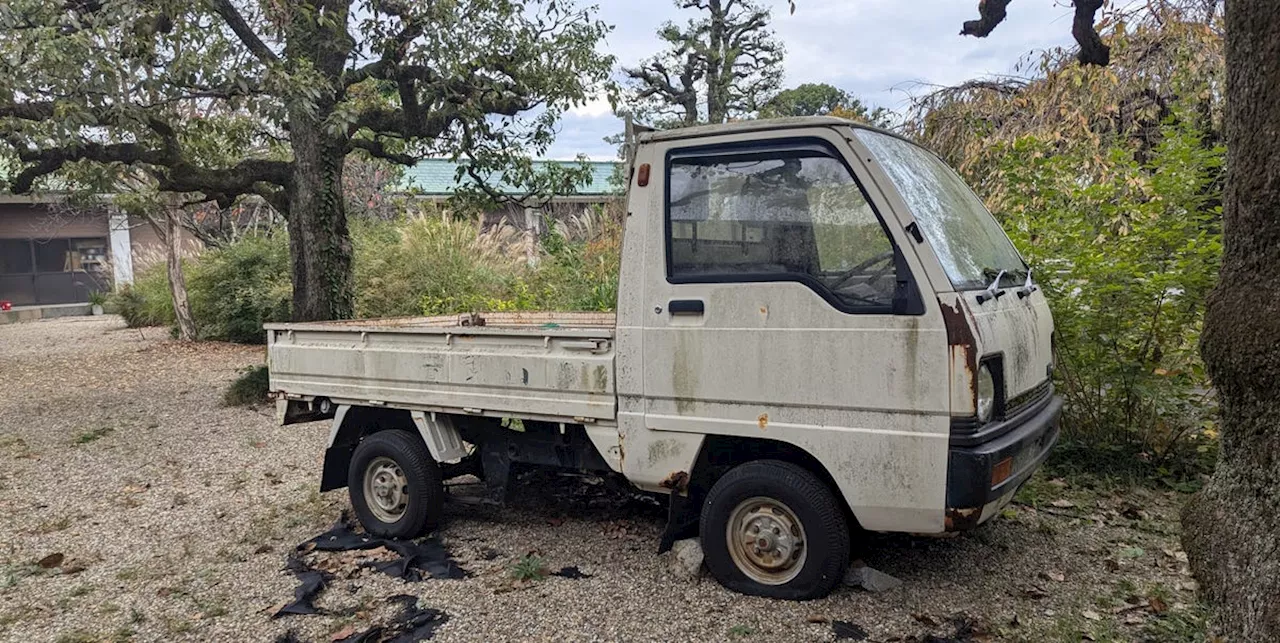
{"x":1024,"y":440}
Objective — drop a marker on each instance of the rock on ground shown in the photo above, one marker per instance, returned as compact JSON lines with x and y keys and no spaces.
{"x":686,"y":558}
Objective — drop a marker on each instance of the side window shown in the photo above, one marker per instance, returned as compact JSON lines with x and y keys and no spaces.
{"x":781,"y":215}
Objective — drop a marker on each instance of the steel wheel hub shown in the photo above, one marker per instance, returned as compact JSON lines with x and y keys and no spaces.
{"x":386,"y":489}
{"x":766,"y":540}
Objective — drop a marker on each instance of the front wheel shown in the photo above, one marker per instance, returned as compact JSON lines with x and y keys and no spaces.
{"x":771,"y":528}
{"x":395,"y":485}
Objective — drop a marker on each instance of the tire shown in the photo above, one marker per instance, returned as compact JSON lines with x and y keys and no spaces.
{"x":771,"y":496}
{"x":396,"y":462}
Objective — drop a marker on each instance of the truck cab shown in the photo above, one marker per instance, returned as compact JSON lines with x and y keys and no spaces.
{"x":820,"y":331}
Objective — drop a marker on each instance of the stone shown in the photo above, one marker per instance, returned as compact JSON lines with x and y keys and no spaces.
{"x":686,"y":558}
{"x":870,"y":579}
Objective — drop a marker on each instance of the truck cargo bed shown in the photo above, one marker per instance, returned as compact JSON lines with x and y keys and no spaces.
{"x":557,"y":366}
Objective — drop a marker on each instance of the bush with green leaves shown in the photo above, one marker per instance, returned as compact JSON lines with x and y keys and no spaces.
{"x":432,"y":265}
{"x":233,"y":290}
{"x":1127,"y":248}
{"x":146,"y":302}
{"x":236,"y":288}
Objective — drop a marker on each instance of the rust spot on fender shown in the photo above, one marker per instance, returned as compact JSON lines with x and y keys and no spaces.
{"x":961,"y":341}
{"x":959,"y":333}
{"x":763,"y":421}
{"x":677,"y":481}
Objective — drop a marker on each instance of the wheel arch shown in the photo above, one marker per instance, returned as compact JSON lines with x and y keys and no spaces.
{"x":719,"y":454}
{"x":350,"y":425}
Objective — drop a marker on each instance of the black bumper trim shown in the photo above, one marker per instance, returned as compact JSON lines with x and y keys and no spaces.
{"x":966,"y":433}
{"x":1028,"y":442}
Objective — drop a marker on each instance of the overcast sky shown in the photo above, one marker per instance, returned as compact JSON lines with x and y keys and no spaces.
{"x":874,"y":49}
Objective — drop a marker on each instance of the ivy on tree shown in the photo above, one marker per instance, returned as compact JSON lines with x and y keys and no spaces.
{"x":217,"y":100}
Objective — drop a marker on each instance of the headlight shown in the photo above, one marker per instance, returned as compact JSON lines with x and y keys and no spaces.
{"x":986,"y":394}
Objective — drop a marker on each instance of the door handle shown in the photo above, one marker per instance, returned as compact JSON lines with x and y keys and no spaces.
{"x":686,"y":307}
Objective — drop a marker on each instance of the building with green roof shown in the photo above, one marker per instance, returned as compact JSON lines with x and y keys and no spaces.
{"x":437,"y":178}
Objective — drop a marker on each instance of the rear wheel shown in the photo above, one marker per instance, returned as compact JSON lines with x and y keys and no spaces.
{"x":771,"y":528}
{"x":395,"y":485}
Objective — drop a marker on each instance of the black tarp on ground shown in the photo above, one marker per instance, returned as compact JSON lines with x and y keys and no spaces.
{"x":423,"y":558}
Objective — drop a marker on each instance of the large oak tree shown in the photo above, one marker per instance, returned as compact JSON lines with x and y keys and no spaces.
{"x":106,"y":88}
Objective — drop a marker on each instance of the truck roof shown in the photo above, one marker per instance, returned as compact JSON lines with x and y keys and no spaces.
{"x":763,"y":124}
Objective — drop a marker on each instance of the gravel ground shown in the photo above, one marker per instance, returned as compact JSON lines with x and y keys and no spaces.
{"x":173,"y":516}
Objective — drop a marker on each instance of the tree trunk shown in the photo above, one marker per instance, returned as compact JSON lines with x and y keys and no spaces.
{"x":319,"y":242}
{"x":1231,"y":529}
{"x":177,"y":282}
{"x":717,"y":87}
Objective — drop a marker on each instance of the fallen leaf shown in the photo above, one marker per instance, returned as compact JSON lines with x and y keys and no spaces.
{"x":136,"y":488}
{"x":1091,"y":615}
{"x":1157,"y":606}
{"x":925,"y":619}
{"x":1134,"y":618}
{"x":817,"y":618}
{"x":51,"y":561}
{"x":1054,"y":576}
{"x":1035,"y":591}
{"x":343,"y":633}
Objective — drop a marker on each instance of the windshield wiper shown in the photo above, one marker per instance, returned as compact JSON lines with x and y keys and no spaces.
{"x":993,"y":291}
{"x":1028,"y":287}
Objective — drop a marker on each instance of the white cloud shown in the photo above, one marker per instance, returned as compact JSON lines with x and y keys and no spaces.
{"x":595,"y":108}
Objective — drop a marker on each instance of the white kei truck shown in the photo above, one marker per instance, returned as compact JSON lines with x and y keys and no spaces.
{"x":820,"y":330}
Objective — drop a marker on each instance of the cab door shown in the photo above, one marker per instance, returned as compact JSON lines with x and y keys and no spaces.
{"x":783,"y":304}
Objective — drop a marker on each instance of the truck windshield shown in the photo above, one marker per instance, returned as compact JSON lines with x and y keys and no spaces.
{"x":969,"y":242}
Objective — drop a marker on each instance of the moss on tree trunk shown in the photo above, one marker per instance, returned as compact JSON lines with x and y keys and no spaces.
{"x":1231,"y":529}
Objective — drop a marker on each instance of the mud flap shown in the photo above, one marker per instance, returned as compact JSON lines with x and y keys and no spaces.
{"x":683,"y":513}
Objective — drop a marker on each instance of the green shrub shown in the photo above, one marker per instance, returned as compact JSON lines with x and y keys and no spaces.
{"x":147,"y":301}
{"x":237,"y":288}
{"x":249,"y":389}
{"x":1127,"y":260}
{"x":434,"y":266}
{"x":431,"y":265}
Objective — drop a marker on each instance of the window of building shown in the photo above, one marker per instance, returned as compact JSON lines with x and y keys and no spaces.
{"x":15,"y":257}
{"x":54,"y":255}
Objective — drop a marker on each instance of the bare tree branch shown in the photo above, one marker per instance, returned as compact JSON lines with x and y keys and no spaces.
{"x":1092,"y":49}
{"x":378,"y":149}
{"x":990,"y":14}
{"x":243,"y":31}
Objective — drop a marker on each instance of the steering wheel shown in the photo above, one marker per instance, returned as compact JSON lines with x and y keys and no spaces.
{"x":887,"y":259}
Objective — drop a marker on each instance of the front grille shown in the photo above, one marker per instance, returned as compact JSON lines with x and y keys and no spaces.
{"x":1028,"y":399}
